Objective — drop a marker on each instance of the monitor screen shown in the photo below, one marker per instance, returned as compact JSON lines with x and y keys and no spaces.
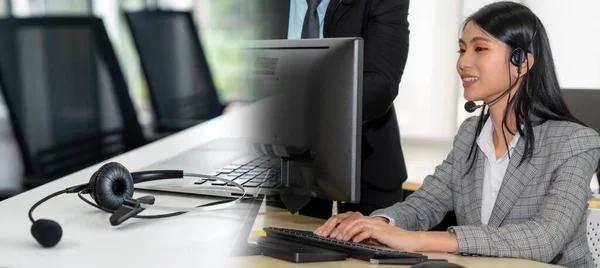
{"x":311,"y":116}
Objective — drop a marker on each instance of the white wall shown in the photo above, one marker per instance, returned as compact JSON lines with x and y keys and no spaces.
{"x":573,"y":30}
{"x":427,"y":93}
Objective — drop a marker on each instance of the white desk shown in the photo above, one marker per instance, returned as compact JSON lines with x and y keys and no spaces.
{"x":90,"y":241}
{"x":199,"y":240}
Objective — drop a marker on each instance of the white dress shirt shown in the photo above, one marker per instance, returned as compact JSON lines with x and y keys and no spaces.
{"x":493,"y":174}
{"x":494,"y":169}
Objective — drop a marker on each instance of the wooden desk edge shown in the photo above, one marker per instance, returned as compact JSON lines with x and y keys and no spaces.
{"x":411,"y":186}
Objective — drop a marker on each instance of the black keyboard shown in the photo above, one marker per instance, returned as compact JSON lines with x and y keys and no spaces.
{"x":355,"y":250}
{"x":297,"y":252}
{"x":262,"y":171}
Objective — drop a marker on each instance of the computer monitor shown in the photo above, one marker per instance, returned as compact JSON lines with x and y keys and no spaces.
{"x":581,"y":103}
{"x":312,"y":115}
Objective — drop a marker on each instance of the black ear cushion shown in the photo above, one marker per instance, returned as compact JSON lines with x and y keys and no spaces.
{"x":517,"y":57}
{"x":112,"y":184}
{"x":91,"y":185}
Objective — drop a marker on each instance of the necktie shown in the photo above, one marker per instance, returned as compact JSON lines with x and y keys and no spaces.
{"x":310,"y":28}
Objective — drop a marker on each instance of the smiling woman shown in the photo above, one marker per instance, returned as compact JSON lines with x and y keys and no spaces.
{"x":518,"y":174}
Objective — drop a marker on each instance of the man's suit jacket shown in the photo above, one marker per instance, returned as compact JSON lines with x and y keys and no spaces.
{"x":383,"y":25}
{"x":540,"y":212}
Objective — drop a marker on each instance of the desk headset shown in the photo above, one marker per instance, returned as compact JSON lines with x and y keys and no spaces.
{"x":112,"y":189}
{"x":517,"y":57}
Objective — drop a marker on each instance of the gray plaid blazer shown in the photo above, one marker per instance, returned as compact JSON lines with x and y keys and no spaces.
{"x":540,"y":212}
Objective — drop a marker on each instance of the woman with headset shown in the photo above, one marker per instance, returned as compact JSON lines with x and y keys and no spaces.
{"x":518,"y":174}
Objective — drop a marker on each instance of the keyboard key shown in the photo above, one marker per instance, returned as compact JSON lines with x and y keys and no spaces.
{"x":244,"y":169}
{"x":258,"y":179}
{"x":251,"y":184}
{"x":227,"y":176}
{"x":200,"y":181}
{"x":250,"y":171}
{"x":231,"y":167}
{"x":241,"y":181}
{"x":247,"y":177}
{"x":222,"y":183}
{"x":236,"y":173}
{"x":224,"y":171}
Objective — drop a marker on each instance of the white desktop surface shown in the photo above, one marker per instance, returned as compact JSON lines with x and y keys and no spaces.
{"x":90,"y":241}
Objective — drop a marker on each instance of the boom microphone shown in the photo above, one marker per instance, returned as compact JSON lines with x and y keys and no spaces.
{"x":470,"y":106}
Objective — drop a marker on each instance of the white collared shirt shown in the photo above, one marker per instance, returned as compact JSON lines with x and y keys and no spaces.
{"x":494,"y":169}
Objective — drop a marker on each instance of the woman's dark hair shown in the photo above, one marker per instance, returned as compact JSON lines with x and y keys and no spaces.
{"x":539,"y":96}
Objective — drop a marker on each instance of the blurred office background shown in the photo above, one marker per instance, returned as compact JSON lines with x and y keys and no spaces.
{"x":429,"y":105}
{"x":220,"y":26}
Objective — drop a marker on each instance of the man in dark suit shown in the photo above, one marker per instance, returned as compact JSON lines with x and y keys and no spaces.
{"x":383,"y":25}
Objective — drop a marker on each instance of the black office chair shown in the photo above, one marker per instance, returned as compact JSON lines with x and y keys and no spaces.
{"x":179,"y":79}
{"x":579,"y":102}
{"x":67,"y":98}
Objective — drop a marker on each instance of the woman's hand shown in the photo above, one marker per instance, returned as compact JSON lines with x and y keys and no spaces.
{"x":337,"y":222}
{"x":353,"y":226}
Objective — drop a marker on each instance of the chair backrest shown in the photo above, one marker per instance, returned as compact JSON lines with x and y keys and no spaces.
{"x":579,"y":102}
{"x":178,"y":76}
{"x":593,"y":234}
{"x":67,"y":98}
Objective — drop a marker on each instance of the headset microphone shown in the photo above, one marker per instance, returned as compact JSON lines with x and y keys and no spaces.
{"x":46,"y":232}
{"x":470,"y":106}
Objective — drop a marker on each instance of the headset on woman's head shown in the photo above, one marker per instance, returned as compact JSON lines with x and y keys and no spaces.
{"x":517,"y":57}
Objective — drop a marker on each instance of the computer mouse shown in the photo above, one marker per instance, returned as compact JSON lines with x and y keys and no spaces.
{"x":437,"y":264}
